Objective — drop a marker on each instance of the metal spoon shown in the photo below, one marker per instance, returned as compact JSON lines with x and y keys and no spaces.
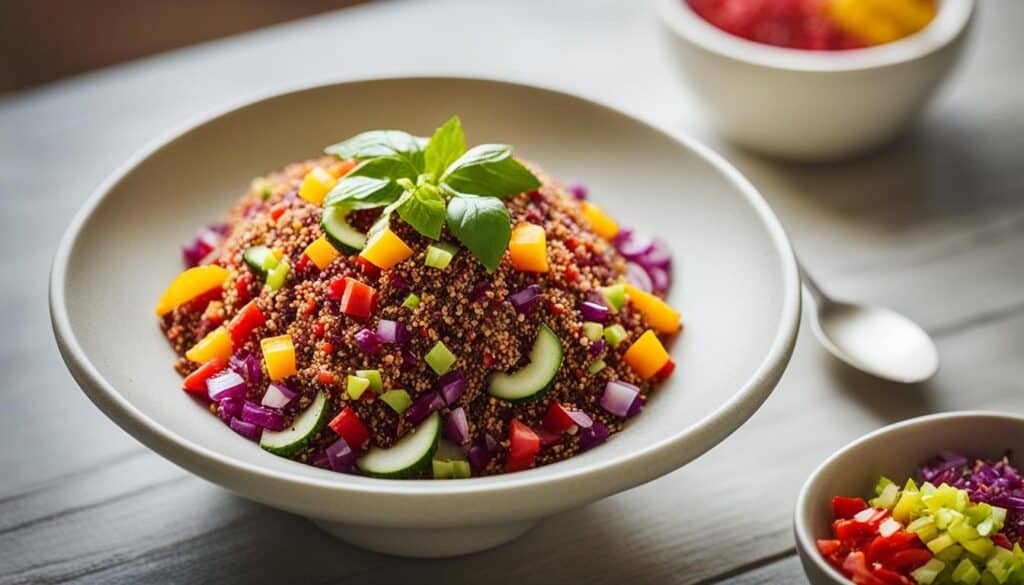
{"x":874,"y":340}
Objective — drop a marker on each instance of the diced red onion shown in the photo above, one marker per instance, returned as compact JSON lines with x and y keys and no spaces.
{"x":578,"y":191}
{"x":321,"y":460}
{"x":368,"y":341}
{"x":526,"y":300}
{"x":598,"y":347}
{"x":595,"y":297}
{"x":194,"y":253}
{"x":389,"y":331}
{"x":636,"y":246}
{"x":636,"y":407}
{"x":219,"y":227}
{"x":246,"y":429}
{"x":478,"y":456}
{"x":491,"y":443}
{"x":660,"y":279}
{"x":227,"y":384}
{"x":262,"y":416}
{"x":278,"y":396}
{"x":581,"y":419}
{"x":409,"y":360}
{"x":248,"y":367}
{"x":547,"y":438}
{"x":593,"y":312}
{"x":638,"y":277}
{"x":423,"y":407}
{"x":456,"y":427}
{"x":619,"y":397}
{"x":593,"y":435}
{"x":451,"y":386}
{"x":479,"y":289}
{"x":621,"y":236}
{"x":340,"y":456}
{"x":659,"y":256}
{"x":230,"y":408}
{"x":399,"y":283}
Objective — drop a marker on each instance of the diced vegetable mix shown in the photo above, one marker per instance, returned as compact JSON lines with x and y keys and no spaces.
{"x":265,"y":399}
{"x":946,"y":527}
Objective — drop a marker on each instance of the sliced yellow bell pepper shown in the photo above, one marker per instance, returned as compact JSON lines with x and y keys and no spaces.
{"x":663,"y":318}
{"x":315,"y":185}
{"x":603,"y":225}
{"x":528,"y":248}
{"x":385,"y":249}
{"x":647,"y":356}
{"x":321,"y":252}
{"x":216,"y":344}
{"x":189,"y":285}
{"x":279,"y":355}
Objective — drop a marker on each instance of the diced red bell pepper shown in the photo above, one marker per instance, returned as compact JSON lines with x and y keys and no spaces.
{"x":852,"y":531}
{"x":348,"y":426}
{"x":369,"y":268}
{"x":557,"y":419}
{"x":547,"y":438}
{"x":336,"y":288}
{"x":846,"y":508}
{"x":302,"y":263}
{"x":278,"y":210}
{"x":195,"y":383}
{"x":1000,"y":539}
{"x":873,"y":517}
{"x":199,"y":303}
{"x":358,"y":300}
{"x":245,"y":322}
{"x":883,"y":547}
{"x":890,"y":577}
{"x":908,"y":560}
{"x":242,"y":287}
{"x":828,"y":547}
{"x":523,"y":447}
{"x":856,"y":567}
{"x":665,"y":371}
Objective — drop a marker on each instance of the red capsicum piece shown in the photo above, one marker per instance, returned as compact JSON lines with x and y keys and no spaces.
{"x":557,"y":419}
{"x":348,"y":426}
{"x":846,"y":508}
{"x":245,"y":322}
{"x":524,"y":444}
{"x":359,"y":299}
{"x":195,"y":383}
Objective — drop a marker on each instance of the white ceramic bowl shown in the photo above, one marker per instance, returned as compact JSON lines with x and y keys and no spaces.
{"x":809,"y":105}
{"x":894,"y":451}
{"x":736,"y":282}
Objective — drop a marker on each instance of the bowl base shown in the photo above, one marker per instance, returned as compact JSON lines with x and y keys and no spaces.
{"x":426,"y":542}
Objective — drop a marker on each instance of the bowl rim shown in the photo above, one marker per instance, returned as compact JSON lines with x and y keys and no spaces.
{"x":166,"y":442}
{"x":949,"y":23}
{"x":805,"y":541}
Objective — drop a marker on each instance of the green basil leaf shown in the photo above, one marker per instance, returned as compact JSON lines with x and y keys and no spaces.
{"x":446,"y":145}
{"x":385,"y":216}
{"x":489,"y":169}
{"x":384,"y":167}
{"x":363,"y":192}
{"x":483,"y":225}
{"x":377,"y":143}
{"x":424,"y":211}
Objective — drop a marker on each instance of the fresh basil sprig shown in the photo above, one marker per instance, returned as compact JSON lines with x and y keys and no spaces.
{"x":433,"y":183}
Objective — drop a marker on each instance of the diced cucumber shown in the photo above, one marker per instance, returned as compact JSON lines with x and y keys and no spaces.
{"x":440,"y":358}
{"x":308,"y":423}
{"x":398,"y":400}
{"x":376,"y":384}
{"x":260,"y":259}
{"x":533,"y":379}
{"x":440,"y":255}
{"x":592,"y":330}
{"x":615,"y":334}
{"x":341,"y":235}
{"x":596,"y":367}
{"x":412,"y":301}
{"x":615,"y":296}
{"x":407,"y":456}
{"x":355,"y":386}
{"x":277,"y":277}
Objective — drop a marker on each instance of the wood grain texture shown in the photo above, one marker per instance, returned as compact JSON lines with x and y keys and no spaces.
{"x":932,"y":226}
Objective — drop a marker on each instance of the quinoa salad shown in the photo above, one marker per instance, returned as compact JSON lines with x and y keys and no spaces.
{"x":408,"y":307}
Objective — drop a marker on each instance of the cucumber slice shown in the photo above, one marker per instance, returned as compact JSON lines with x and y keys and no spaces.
{"x":339,"y":233}
{"x":260,"y":259}
{"x":532,"y":380}
{"x":407,"y":456}
{"x":308,"y":423}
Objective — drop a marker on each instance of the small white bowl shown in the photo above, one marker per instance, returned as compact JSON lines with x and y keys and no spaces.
{"x":895,"y":452}
{"x":813,"y":105}
{"x":738,"y":287}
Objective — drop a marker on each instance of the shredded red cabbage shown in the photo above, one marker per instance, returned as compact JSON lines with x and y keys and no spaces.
{"x":994,"y":482}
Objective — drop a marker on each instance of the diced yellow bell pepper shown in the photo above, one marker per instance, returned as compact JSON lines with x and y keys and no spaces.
{"x":528,"y":248}
{"x":315,"y":185}
{"x":189,"y":285}
{"x":663,"y":318}
{"x":321,"y":252}
{"x":603,"y":225}
{"x":385,"y":249}
{"x":279,"y":355}
{"x":647,"y":356}
{"x":216,"y":344}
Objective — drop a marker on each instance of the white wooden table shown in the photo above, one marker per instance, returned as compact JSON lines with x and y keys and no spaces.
{"x":933,"y":226}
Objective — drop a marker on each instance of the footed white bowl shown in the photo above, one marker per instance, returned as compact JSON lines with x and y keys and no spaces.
{"x":736,"y":283}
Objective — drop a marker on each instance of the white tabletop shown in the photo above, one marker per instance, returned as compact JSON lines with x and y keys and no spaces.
{"x":933,"y":226}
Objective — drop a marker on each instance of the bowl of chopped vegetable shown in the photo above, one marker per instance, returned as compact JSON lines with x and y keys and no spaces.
{"x":935,"y":499}
{"x":816,"y":80}
{"x":326,"y":346}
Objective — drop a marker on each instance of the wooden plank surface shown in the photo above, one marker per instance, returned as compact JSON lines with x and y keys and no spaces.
{"x":932,"y":226}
